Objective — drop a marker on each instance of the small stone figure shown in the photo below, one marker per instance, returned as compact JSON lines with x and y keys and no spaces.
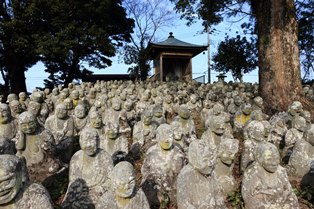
{"x":265,"y":183}
{"x":80,"y":118}
{"x":256,"y":135}
{"x":302,"y":155}
{"x":89,"y":169}
{"x":62,"y":128}
{"x":16,"y":190}
{"x":37,"y":146}
{"x":8,"y":125}
{"x":197,"y":186}
{"x":114,"y":143}
{"x":161,"y":165}
{"x":227,"y":150}
{"x":123,"y":193}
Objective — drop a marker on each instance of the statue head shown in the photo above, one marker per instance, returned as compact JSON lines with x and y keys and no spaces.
{"x":267,"y":156}
{"x":202,"y":157}
{"x":89,"y":141}
{"x":12,"y":176}
{"x":12,"y":97}
{"x":217,"y":124}
{"x":184,"y":112}
{"x":80,"y":111}
{"x":28,"y":123}
{"x":299,"y":123}
{"x":228,"y":148}
{"x":15,"y":106}
{"x":95,"y":119}
{"x":309,"y":135}
{"x":257,"y":132}
{"x":22,"y":96}
{"x":112,"y":130}
{"x":34,"y":107}
{"x":164,"y":136}
{"x":5,"y":113}
{"x":147,"y":117}
{"x":123,"y":179}
{"x":116,"y":104}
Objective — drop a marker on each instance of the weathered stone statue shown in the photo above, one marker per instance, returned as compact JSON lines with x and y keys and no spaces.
{"x":186,"y":123}
{"x":197,"y":186}
{"x":256,"y":135}
{"x":16,"y":108}
{"x":144,"y":131}
{"x":293,"y":135}
{"x":8,"y":125}
{"x":302,"y":155}
{"x":227,"y":150}
{"x":62,"y":128}
{"x":265,"y":183}
{"x":123,"y":193}
{"x":161,"y":165}
{"x":114,"y":143}
{"x":80,"y":118}
{"x":16,"y":190}
{"x":89,"y":173}
{"x":37,"y":146}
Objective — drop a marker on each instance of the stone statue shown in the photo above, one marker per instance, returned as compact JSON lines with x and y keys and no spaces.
{"x":302,"y":155}
{"x":37,"y":146}
{"x":8,"y":125}
{"x":123,"y":193}
{"x":256,"y":135}
{"x":293,"y":135}
{"x":80,"y":118}
{"x":162,"y":163}
{"x":114,"y":143}
{"x":197,"y":186}
{"x":227,"y":150}
{"x":16,"y":190}
{"x":265,"y":183}
{"x":62,"y":127}
{"x":90,"y":168}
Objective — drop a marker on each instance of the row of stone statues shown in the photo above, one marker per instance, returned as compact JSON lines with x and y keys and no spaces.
{"x":183,"y":133}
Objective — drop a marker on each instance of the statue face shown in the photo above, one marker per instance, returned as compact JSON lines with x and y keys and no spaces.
{"x":185,"y":114}
{"x":125,"y":187}
{"x":113,"y":133}
{"x":29,"y":126}
{"x":34,"y":108}
{"x":270,"y":161}
{"x":10,"y":184}
{"x":165,"y":142}
{"x":147,"y":120}
{"x":4,"y":115}
{"x":96,"y":121}
{"x":89,"y":143}
{"x":79,"y":112}
{"x":61,"y":112}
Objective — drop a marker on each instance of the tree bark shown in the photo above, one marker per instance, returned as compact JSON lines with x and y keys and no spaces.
{"x":279,"y":61}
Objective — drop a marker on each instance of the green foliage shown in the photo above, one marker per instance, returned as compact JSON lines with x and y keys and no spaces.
{"x":235,"y":55}
{"x":236,"y":200}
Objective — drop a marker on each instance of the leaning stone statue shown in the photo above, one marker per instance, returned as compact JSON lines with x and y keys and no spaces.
{"x":89,"y":171}
{"x":37,"y":146}
{"x":17,"y":192}
{"x":227,"y":151}
{"x":123,"y":193}
{"x":265,"y":183}
{"x":302,"y":155}
{"x":197,"y":186}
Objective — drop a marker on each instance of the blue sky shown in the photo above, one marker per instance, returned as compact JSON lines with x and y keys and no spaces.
{"x":192,"y":34}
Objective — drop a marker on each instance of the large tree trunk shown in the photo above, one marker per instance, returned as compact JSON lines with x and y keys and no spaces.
{"x":279,"y":62}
